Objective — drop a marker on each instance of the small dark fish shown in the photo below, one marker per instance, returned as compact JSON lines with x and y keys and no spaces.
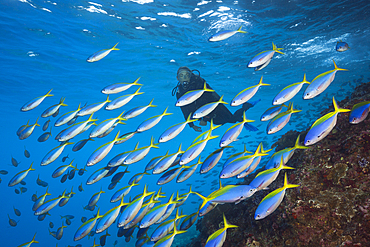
{"x":44,"y":137}
{"x":81,"y":171}
{"x":12,"y":222}
{"x":51,"y":224}
{"x":41,"y":217}
{"x":40,"y":182}
{"x":80,"y":188}
{"x":341,"y":46}
{"x":91,"y":234}
{"x":115,"y":243}
{"x":83,"y":219}
{"x":64,"y":178}
{"x":3,"y":172}
{"x":16,"y":211}
{"x":23,"y":182}
{"x":23,"y":190}
{"x":68,"y":221}
{"x":46,"y":125}
{"x":81,"y":144}
{"x":56,"y":113}
{"x":112,"y":186}
{"x":26,"y":153}
{"x":103,"y":238}
{"x":194,"y":202}
{"x":20,"y":130}
{"x":64,"y":158}
{"x":44,"y":184}
{"x":72,"y":174}
{"x":68,"y":216}
{"x":141,"y":232}
{"x":15,"y":162}
{"x":34,"y":197}
{"x":117,"y":177}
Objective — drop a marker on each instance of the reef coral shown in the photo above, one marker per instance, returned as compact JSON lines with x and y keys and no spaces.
{"x":330,"y":208}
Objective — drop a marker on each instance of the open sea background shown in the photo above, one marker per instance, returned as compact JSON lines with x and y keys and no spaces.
{"x":45,"y":44}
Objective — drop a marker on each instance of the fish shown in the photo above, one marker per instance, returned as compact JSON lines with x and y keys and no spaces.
{"x":125,"y":137}
{"x":80,"y":188}
{"x":236,"y":156}
{"x":28,"y":131}
{"x":16,"y":211}
{"x":151,"y":122}
{"x":67,"y":117}
{"x":101,"y":54}
{"x":132,"y":208}
{"x":195,"y":149}
{"x":119,"y":87}
{"x":341,"y":46}
{"x":90,"y":109}
{"x":321,"y":82}
{"x":166,"y":161}
{"x":22,"y":189}
{"x":45,"y":136}
{"x":103,"y":238}
{"x":49,"y":205}
{"x":65,"y":199}
{"x":142,"y":212}
{"x":100,"y":153}
{"x":187,"y":172}
{"x":65,"y":158}
{"x":188,"y":221}
{"x":86,"y":227}
{"x":212,"y":160}
{"x":102,"y":128}
{"x":15,"y":163}
{"x":138,"y":110}
{"x":75,"y":129}
{"x":166,"y":227}
{"x":272,"y":112}
{"x":168,"y":176}
{"x":119,"y":194}
{"x":286,"y":153}
{"x":225,"y":34}
{"x":139,"y":153}
{"x":174,"y":130}
{"x":81,"y":144}
{"x":35,"y":102}
{"x":253,"y":165}
{"x":238,"y":165}
{"x":264,"y":57}
{"x":95,"y":198}
{"x":46,"y":125}
{"x":191,"y":96}
{"x":322,"y":126}
{"x":233,"y":132}
{"x":122,"y":100}
{"x":97,"y":175}
{"x":266,"y":177}
{"x":12,"y":222}
{"x":28,"y":244}
{"x":53,"y":109}
{"x":20,"y":129}
{"x":60,"y":170}
{"x":3,"y":172}
{"x":20,"y":176}
{"x":168,"y":240}
{"x":359,"y":112}
{"x":59,"y":233}
{"x":82,"y":171}
{"x":218,"y":238}
{"x":39,"y":201}
{"x":137,"y":177}
{"x":83,"y":219}
{"x":247,"y":93}
{"x":118,"y":176}
{"x":272,"y":201}
{"x":207,"y":108}
{"x":289,"y":92}
{"x":280,"y":120}
{"x":72,"y":173}
{"x":53,"y":154}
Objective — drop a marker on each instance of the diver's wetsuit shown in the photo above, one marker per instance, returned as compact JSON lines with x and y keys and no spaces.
{"x":220,"y":115}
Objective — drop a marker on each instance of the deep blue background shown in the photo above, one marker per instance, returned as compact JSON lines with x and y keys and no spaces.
{"x":44,"y":45}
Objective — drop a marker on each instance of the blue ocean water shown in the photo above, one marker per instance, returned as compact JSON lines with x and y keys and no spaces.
{"x":45,"y":44}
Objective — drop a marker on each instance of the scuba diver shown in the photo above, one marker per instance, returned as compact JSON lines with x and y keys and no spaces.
{"x":189,"y":81}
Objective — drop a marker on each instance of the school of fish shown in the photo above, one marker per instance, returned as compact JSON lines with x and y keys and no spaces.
{"x":147,"y":210}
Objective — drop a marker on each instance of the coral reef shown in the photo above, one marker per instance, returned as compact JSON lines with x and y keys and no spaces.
{"x":330,"y":208}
